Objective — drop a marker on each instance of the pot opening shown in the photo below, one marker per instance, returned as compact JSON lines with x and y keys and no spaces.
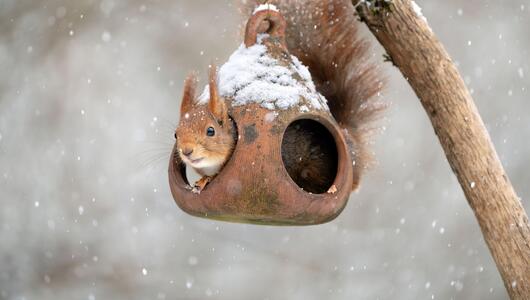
{"x":310,"y":156}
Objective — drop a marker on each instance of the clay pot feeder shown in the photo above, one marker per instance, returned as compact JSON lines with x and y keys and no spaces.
{"x":254,"y":186}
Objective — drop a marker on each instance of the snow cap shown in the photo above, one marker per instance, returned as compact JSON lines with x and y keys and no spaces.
{"x":251,"y":75}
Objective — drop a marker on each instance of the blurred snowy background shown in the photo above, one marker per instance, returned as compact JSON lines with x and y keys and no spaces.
{"x":89,"y":97}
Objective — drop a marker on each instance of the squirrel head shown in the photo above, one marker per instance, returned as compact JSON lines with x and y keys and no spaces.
{"x":205,"y":134}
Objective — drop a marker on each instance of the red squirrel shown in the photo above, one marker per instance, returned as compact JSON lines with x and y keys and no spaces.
{"x":323,"y":34}
{"x":206,"y":135}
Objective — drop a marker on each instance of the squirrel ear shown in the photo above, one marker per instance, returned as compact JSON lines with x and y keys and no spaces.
{"x":189,"y":94}
{"x":216,"y":104}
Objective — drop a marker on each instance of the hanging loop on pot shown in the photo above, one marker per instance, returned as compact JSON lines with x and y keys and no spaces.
{"x":266,"y":21}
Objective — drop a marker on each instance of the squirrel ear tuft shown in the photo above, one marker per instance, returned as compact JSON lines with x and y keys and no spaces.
{"x":188,"y":98}
{"x":216,"y":104}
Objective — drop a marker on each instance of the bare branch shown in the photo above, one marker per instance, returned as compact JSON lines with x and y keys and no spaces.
{"x":414,"y":49}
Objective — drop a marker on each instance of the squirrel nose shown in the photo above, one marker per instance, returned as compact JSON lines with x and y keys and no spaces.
{"x":187,"y":151}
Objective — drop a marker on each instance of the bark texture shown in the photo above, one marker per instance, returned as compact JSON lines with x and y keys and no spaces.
{"x":414,"y":49}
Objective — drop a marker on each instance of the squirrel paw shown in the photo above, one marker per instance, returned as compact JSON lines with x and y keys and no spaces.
{"x":201,"y":184}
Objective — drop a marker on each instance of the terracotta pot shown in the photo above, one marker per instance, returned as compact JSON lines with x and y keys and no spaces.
{"x":254,"y":185}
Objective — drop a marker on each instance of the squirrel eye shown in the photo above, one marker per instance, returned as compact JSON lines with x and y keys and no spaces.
{"x":175,"y":135}
{"x":210,"y":131}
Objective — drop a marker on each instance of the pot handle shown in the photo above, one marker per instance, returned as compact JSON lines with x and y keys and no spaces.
{"x":265,"y":21}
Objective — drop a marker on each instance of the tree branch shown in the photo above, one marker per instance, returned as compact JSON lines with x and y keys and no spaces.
{"x":414,"y":49}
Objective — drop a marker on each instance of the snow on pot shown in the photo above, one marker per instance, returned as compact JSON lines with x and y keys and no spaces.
{"x":284,"y":126}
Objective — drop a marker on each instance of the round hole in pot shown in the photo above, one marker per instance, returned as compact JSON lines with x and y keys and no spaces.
{"x":310,"y":155}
